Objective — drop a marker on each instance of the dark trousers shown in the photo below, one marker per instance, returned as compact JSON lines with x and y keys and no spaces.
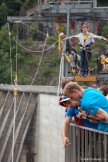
{"x":85,"y":58}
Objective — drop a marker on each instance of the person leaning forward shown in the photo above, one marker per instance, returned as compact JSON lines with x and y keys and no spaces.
{"x":86,"y":39}
{"x":73,"y":111}
{"x":92,"y":101}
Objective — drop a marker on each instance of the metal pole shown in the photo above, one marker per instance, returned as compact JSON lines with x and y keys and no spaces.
{"x":68,"y":21}
{"x":66,"y":65}
{"x":94,"y":3}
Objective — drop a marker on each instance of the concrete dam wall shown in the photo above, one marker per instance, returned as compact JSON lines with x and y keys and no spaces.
{"x":36,"y":136}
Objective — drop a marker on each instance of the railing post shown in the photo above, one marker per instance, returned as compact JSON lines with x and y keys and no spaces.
{"x":94,"y":3}
{"x":87,"y":144}
{"x":68,"y":21}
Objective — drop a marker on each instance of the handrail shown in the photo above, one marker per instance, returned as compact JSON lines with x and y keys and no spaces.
{"x":68,"y":1}
{"x":86,"y":144}
{"x":90,"y":129}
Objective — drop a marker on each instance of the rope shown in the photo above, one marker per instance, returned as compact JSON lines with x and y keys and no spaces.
{"x":16,"y":56}
{"x":15,"y":80}
{"x":15,"y":94}
{"x":38,"y":31}
{"x":33,"y":50}
{"x":14,"y":118}
{"x":35,"y":29}
{"x":36,"y":70}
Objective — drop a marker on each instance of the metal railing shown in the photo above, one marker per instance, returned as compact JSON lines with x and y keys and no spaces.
{"x":87,"y":145}
{"x":69,"y":2}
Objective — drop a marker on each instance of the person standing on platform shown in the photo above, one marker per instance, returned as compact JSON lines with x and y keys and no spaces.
{"x":86,"y":39}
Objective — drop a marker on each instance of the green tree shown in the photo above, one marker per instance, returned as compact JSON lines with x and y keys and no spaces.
{"x":105,"y":30}
{"x":3,"y":14}
{"x":101,"y":3}
{"x":4,"y":56}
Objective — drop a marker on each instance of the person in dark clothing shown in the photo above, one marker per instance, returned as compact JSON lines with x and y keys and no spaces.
{"x":68,"y":51}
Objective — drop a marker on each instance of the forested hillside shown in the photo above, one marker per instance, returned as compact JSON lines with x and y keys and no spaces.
{"x":15,"y":61}
{"x":19,"y":44}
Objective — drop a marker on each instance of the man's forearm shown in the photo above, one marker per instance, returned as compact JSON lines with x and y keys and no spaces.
{"x":92,"y":117}
{"x":64,"y":130}
{"x":99,"y":118}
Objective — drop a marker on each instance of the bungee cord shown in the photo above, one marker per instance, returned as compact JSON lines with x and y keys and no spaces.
{"x":16,"y":55}
{"x":34,"y":50}
{"x":35,"y":29}
{"x":17,"y":87}
{"x":14,"y":123}
{"x":36,"y":70}
{"x":17,"y":43}
{"x":15,"y":98}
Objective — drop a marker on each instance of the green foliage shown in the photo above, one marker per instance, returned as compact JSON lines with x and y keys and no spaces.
{"x":101,"y":3}
{"x":105,"y":30}
{"x":3,"y":14}
{"x":4,"y":67}
{"x":51,"y":62}
{"x":52,"y":39}
{"x":23,"y":77}
{"x":12,"y":8}
{"x":34,"y":28}
{"x":27,"y":62}
{"x":4,"y":57}
{"x":31,"y":2}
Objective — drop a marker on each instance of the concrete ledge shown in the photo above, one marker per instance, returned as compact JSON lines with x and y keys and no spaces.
{"x":32,"y":88}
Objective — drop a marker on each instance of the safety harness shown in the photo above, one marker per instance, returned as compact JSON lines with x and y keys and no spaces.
{"x":85,"y":36}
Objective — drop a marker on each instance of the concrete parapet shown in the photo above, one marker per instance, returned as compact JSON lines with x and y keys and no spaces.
{"x":38,"y":124}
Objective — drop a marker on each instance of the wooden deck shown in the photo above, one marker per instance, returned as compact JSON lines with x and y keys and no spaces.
{"x":85,"y":78}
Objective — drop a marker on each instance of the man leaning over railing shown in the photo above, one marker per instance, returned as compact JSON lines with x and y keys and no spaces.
{"x":76,"y":114}
{"x":92,"y":101}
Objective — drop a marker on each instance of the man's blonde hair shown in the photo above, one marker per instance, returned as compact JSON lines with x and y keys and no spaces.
{"x":68,"y":89}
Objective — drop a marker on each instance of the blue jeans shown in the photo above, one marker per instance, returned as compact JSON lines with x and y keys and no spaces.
{"x":85,"y":58}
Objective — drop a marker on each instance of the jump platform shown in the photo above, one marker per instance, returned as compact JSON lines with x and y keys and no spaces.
{"x":85,"y":79}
